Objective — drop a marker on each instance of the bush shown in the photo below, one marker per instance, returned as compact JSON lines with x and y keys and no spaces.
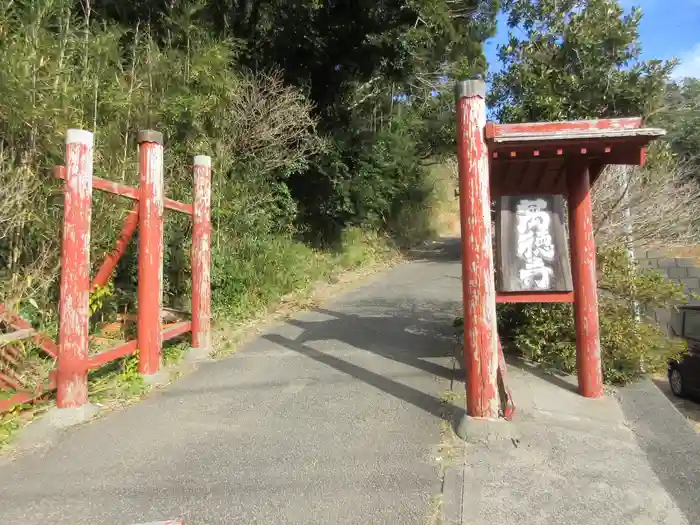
{"x":375,"y":181}
{"x":545,"y":333}
{"x":250,"y":273}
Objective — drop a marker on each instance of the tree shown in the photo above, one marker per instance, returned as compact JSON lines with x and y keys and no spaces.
{"x":327,"y":45}
{"x":577,"y":59}
{"x":665,"y":203}
{"x":681,"y":118}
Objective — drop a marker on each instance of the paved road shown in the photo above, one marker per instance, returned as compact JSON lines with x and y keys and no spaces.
{"x":332,"y":418}
{"x":335,"y":418}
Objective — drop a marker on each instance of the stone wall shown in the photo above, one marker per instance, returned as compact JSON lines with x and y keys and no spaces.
{"x":682,"y":270}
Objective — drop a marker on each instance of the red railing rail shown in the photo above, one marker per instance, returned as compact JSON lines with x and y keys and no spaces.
{"x":73,"y":360}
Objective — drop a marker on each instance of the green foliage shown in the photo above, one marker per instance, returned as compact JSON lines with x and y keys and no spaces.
{"x":10,"y":422}
{"x":117,"y":80}
{"x":307,"y":136}
{"x":174,"y":351}
{"x":361,"y":182}
{"x":342,"y":45}
{"x":118,"y":381}
{"x":545,"y":333}
{"x":278,"y":169}
{"x":578,"y":59}
{"x":250,"y":273}
{"x":359,"y":247}
{"x":681,"y":119}
{"x":99,"y":295}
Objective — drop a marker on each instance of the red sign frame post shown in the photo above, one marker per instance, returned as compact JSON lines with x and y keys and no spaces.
{"x":479,"y":291}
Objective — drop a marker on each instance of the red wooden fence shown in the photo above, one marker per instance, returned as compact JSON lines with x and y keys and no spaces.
{"x":73,"y":360}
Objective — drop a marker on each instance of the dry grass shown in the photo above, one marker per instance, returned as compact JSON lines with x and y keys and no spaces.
{"x":434,"y":516}
{"x":646,"y":207}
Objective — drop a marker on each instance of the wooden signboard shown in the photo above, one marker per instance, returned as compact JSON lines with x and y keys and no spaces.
{"x":531,"y":247}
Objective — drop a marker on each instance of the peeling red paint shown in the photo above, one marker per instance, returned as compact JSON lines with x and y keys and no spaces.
{"x":535,"y":297}
{"x":583,"y":268}
{"x":74,"y":311}
{"x":561,"y":127}
{"x":506,"y":394}
{"x":128,"y":348}
{"x":126,"y":191}
{"x":150,"y":289}
{"x":201,"y":254}
{"x":73,"y":362}
{"x":480,"y":336}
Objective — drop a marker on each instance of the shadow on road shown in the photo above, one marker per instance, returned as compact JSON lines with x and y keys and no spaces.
{"x":566,"y":382}
{"x":416,"y":337}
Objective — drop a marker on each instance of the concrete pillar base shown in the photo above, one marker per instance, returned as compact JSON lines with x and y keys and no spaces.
{"x":162,"y":377}
{"x":482,"y":430}
{"x":67,"y":417}
{"x":195,"y":355}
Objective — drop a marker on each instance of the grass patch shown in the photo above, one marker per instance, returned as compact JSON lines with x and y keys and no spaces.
{"x":268,"y":297}
{"x":251,"y":275}
{"x":117,"y":382}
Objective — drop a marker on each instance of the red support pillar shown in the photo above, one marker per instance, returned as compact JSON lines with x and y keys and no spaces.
{"x":201,"y":254}
{"x":150,"y":290}
{"x":480,"y":332}
{"x":583,"y":269}
{"x":74,"y":306}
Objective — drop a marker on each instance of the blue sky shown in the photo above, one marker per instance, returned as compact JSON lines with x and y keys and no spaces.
{"x":669,"y":28}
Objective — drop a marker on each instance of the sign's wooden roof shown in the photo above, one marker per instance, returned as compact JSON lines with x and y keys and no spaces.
{"x":530,"y":158}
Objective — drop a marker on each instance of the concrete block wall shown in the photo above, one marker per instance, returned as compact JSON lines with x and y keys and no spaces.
{"x":684,"y":271}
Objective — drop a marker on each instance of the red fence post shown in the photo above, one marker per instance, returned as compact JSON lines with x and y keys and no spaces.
{"x":479,"y":293}
{"x":150,"y":288}
{"x":74,"y":306}
{"x":583,"y":270}
{"x":201,"y":254}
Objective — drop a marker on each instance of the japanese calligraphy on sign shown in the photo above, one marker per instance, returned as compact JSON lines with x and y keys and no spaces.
{"x":532,"y":252}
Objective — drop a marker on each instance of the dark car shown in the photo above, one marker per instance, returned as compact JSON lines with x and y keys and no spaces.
{"x":684,"y":374}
